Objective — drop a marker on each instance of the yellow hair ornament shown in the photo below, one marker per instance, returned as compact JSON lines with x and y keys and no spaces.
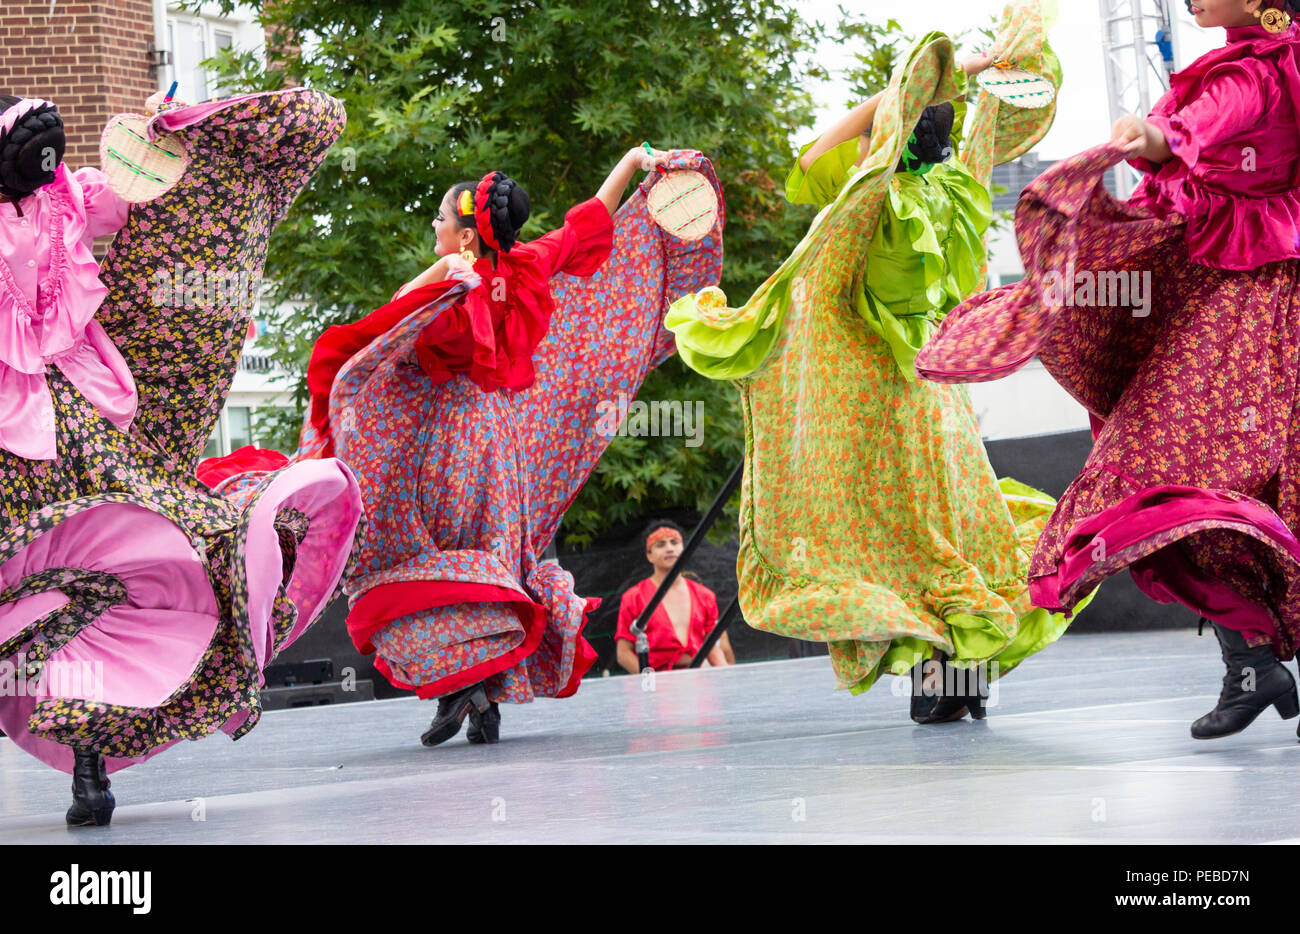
{"x":465,"y":203}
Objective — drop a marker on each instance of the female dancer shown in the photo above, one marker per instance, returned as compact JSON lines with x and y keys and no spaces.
{"x":871,"y":518}
{"x":1192,"y":480}
{"x":136,"y":609}
{"x":469,"y":407}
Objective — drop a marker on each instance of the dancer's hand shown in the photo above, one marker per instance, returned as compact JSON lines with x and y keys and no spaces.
{"x":611,"y":193}
{"x":156,"y":100}
{"x":1140,"y":139}
{"x":647,"y":160}
{"x":980,"y":61}
{"x":455,"y":263}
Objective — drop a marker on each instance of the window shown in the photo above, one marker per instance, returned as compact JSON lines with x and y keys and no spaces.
{"x":192,"y":40}
{"x":188,"y":40}
{"x":233,"y":430}
{"x":241,"y":426}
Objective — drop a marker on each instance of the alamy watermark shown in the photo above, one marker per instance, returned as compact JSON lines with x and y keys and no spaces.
{"x":932,"y":678}
{"x":1119,"y":288}
{"x":55,"y":678}
{"x":660,"y":418}
{"x":188,"y":287}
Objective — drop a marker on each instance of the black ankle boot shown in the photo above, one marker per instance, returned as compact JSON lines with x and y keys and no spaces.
{"x":452,"y":709}
{"x":924,"y":699}
{"x":484,"y":727}
{"x":92,"y":802}
{"x":1239,"y":704}
{"x":959,"y":696}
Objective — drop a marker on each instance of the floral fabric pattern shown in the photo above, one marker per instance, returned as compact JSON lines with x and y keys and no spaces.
{"x":1192,"y":480}
{"x":871,"y":518}
{"x":465,"y":489}
{"x":115,"y":559}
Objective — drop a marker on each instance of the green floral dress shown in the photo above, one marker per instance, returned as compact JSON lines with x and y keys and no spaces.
{"x":871,"y":518}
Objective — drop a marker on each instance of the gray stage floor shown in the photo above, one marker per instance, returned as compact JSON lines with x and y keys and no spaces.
{"x":1088,"y":743}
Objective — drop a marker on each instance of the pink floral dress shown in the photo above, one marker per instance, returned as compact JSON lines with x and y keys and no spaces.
{"x":137,"y":608}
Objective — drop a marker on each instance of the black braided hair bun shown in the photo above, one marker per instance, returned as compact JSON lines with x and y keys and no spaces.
{"x":933,"y":138}
{"x":31,"y":151}
{"x":508,"y":208}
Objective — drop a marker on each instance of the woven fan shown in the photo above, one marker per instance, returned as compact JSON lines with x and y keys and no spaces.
{"x":684,"y":204}
{"x":140,"y":169}
{"x":1017,"y":87}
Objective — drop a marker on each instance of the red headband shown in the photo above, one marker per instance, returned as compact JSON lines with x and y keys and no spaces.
{"x":659,"y":535}
{"x":482,"y":217}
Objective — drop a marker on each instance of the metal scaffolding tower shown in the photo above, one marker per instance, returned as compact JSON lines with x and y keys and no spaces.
{"x":1140,"y":46}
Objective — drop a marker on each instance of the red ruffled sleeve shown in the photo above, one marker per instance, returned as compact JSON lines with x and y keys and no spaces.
{"x":342,"y":342}
{"x":493,"y":333}
{"x":580,"y":247}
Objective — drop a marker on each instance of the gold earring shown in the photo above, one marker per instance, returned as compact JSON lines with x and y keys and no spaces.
{"x":1275,"y":21}
{"x":467,"y":255}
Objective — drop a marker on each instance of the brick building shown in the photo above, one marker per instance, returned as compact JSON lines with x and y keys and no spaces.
{"x":98,"y":58}
{"x":93,"y":58}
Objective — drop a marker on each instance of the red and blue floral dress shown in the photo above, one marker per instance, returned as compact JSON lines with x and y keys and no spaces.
{"x":470,"y":412}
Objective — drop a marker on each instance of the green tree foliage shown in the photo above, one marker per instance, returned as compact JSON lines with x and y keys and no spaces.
{"x":439,"y":91}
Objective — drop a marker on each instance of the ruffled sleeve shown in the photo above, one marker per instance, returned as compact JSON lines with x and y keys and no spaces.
{"x":105,"y":210}
{"x":724,"y":342}
{"x":1233,"y":137}
{"x":925,"y":258}
{"x":579,"y":247}
{"x":1234,"y":98}
{"x":825,"y":177}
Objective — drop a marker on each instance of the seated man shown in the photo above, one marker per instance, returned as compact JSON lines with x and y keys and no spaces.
{"x":681,"y":622}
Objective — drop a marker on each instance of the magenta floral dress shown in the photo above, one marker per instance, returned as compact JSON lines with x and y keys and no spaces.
{"x":1174,"y":319}
{"x":137,"y":608}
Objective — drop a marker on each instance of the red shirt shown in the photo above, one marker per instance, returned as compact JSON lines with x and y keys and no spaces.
{"x":665,"y":647}
{"x":493,"y":333}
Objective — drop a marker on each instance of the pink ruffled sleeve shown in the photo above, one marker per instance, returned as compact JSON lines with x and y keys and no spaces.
{"x":581,"y":246}
{"x":1234,"y":97}
{"x":105,"y":211}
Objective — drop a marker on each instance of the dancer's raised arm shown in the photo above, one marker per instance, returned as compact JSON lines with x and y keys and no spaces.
{"x":857,"y":122}
{"x":611,"y":192}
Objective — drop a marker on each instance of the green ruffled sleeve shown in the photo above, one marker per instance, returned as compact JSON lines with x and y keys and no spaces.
{"x":724,"y":342}
{"x":821,"y":184}
{"x":926,"y":257}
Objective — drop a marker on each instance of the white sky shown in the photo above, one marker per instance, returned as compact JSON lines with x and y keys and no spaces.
{"x":1083,"y":116}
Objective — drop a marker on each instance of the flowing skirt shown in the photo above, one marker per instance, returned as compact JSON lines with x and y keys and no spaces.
{"x":871,"y":518}
{"x":464,"y":489}
{"x":1189,"y":374}
{"x":136,"y":608}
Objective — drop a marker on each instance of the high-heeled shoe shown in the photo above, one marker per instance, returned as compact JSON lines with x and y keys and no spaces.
{"x":1238,"y":707}
{"x":960,"y":695}
{"x":452,"y":709}
{"x":92,"y":802}
{"x":484,"y":727}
